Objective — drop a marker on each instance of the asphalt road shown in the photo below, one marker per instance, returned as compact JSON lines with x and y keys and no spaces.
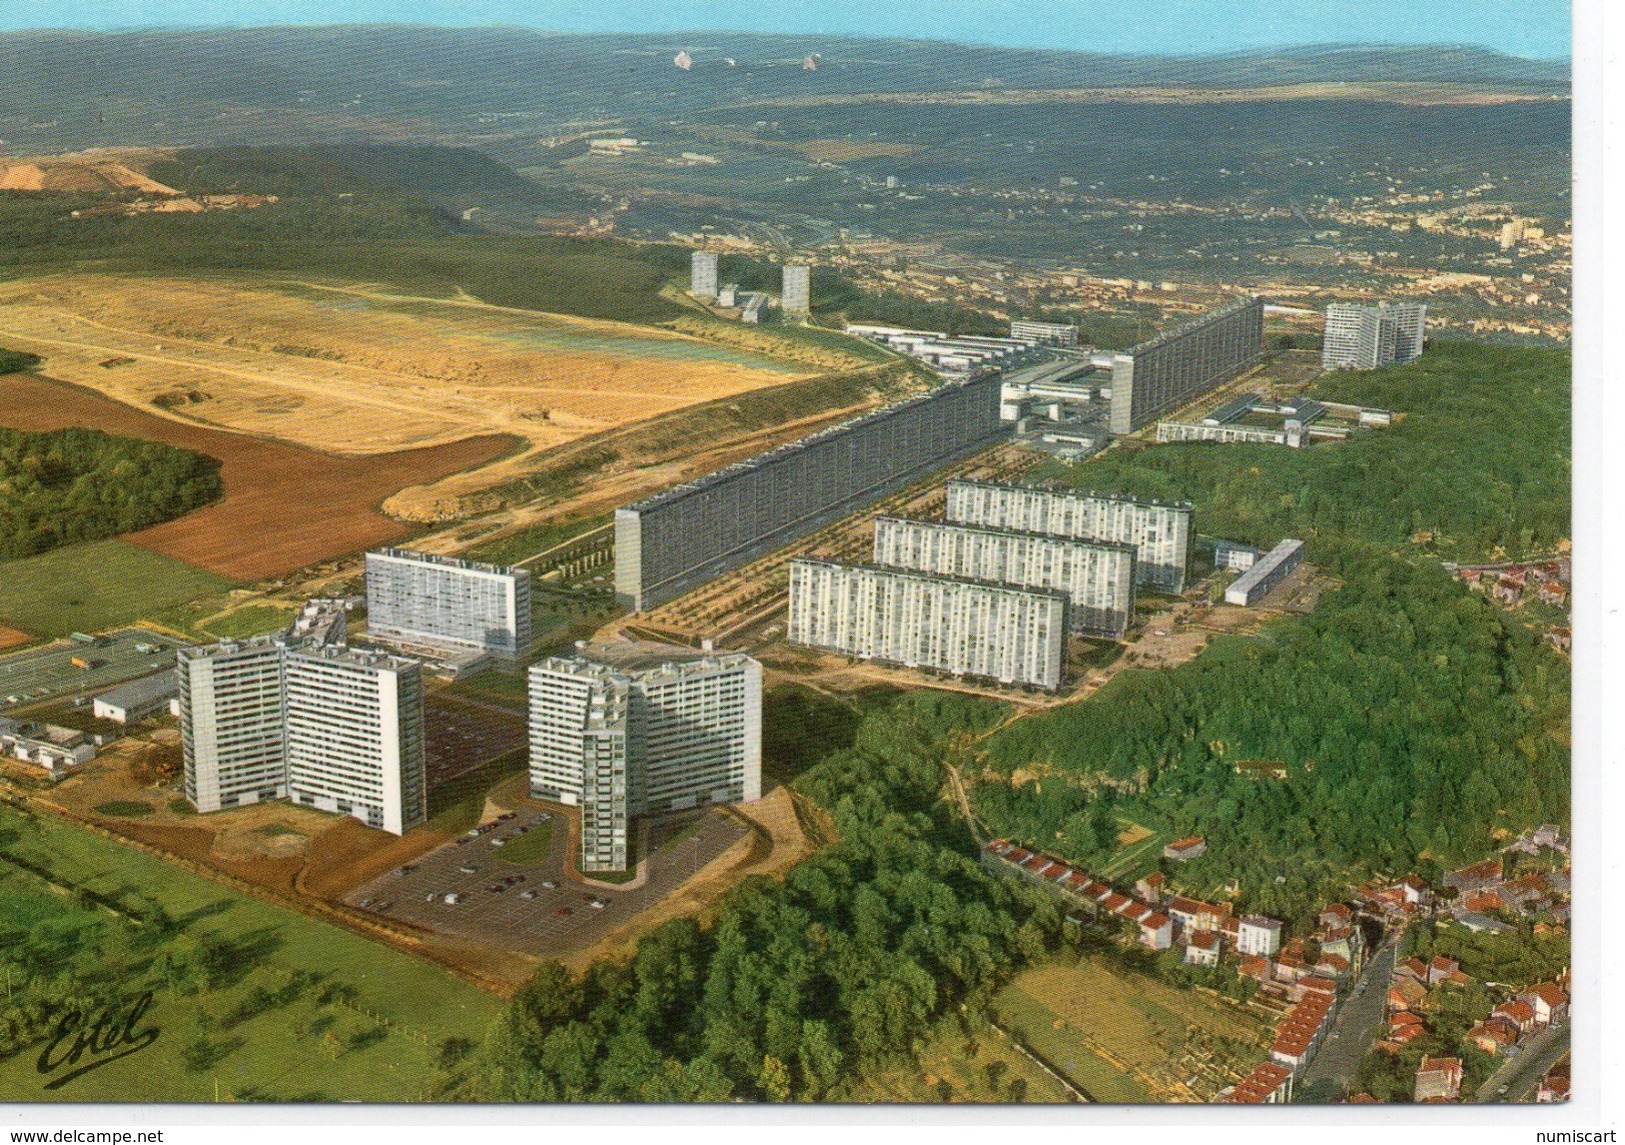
{"x":1358,"y":1024}
{"x":1521,"y":1073}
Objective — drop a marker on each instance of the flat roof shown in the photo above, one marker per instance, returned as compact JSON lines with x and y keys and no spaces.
{"x":1076,"y":495}
{"x":446,"y":562}
{"x":1231,"y":409}
{"x":638,"y":658}
{"x":1266,"y":565}
{"x":994,"y":530}
{"x":1198,"y":322}
{"x":791,"y":448}
{"x":914,"y":574}
{"x":146,"y":690}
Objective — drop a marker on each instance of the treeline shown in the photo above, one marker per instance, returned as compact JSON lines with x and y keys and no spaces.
{"x":1415,"y":720}
{"x":1478,"y":467}
{"x":800,"y":986}
{"x":70,"y":485}
{"x":411,"y":247}
{"x":14,"y":361}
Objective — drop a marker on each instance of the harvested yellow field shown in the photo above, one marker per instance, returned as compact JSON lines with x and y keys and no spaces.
{"x":358,"y":370}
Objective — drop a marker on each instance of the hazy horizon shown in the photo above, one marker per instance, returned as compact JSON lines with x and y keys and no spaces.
{"x":1530,"y":29}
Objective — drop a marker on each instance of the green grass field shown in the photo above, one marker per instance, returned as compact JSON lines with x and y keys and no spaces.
{"x":250,"y":620}
{"x":83,"y":588}
{"x":1084,"y":1068}
{"x":251,"y":1001}
{"x":530,"y":848}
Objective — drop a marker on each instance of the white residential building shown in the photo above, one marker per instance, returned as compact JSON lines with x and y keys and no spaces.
{"x":333,"y":728}
{"x":703,"y":275}
{"x":1159,"y":533}
{"x":1360,"y":337}
{"x":916,"y":620}
{"x":1096,"y":576}
{"x":231,"y":713}
{"x":797,"y":294}
{"x":1256,"y":934}
{"x":419,"y":600}
{"x":354,"y":739}
{"x":634,"y":729}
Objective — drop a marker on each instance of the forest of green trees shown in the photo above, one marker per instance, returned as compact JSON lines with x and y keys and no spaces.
{"x":12,"y":361}
{"x":71,"y":485}
{"x":1415,"y":719}
{"x":1477,"y":468}
{"x":799,"y":985}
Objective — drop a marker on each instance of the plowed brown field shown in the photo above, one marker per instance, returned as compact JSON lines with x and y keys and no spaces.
{"x":284,"y":506}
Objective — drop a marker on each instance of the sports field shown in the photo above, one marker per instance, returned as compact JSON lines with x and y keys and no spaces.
{"x":85,"y":588}
{"x":284,"y":506}
{"x":249,"y":1001}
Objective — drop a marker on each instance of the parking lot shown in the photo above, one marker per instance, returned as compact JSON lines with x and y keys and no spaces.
{"x":540,"y":908}
{"x":39,"y":675}
{"x":461,"y":737}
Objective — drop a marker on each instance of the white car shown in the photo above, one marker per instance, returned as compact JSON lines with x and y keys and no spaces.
{"x":453,"y":899}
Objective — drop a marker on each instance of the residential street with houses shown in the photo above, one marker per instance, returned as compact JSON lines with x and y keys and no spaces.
{"x":1358,"y":1024}
{"x":1521,"y":1074}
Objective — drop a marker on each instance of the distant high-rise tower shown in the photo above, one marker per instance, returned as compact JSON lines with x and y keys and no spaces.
{"x":797,"y":295}
{"x":703,"y":275}
{"x":684,"y":60}
{"x":1364,"y":337}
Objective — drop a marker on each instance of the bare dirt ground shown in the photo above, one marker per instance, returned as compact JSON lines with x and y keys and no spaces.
{"x":359,"y":369}
{"x":284,"y":507}
{"x":94,"y":171}
{"x":308,"y":857}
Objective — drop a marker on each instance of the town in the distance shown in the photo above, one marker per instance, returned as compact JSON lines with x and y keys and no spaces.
{"x":491,"y":645}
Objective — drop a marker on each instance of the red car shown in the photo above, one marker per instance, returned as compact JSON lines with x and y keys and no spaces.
{"x":563,"y":911}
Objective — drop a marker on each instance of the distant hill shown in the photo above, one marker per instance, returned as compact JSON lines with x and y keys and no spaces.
{"x":386,"y":82}
{"x":453,"y":178}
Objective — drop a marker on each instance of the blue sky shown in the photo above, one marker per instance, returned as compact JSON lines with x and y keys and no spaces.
{"x":1519,"y":27}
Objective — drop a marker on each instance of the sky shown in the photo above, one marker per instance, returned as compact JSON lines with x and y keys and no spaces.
{"x":1537,"y":28}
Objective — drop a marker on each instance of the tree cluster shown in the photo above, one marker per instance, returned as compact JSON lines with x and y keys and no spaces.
{"x":70,"y":485}
{"x":800,"y":985}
